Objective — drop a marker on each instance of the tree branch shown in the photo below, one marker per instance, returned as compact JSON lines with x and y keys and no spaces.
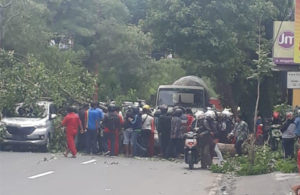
{"x":7,"y":4}
{"x":11,"y":17}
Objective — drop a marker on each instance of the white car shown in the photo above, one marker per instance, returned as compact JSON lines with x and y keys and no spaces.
{"x":30,"y":126}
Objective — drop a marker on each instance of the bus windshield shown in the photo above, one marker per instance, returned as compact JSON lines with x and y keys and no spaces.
{"x":181,"y":97}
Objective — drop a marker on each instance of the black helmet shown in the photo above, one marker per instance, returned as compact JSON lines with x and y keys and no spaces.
{"x":163,"y":108}
{"x":136,"y":110}
{"x":71,"y":109}
{"x":111,"y":108}
{"x":178,"y":112}
{"x":157,"y":113}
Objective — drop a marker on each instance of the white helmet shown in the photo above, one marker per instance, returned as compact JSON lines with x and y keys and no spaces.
{"x":210,"y":114}
{"x":200,"y":114}
{"x":226,"y":113}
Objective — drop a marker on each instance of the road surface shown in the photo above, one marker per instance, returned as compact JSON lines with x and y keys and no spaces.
{"x":48,"y":174}
{"x":30,"y":173}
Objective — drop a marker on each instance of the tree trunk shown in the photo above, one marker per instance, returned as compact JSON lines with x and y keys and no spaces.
{"x":256,"y":106}
{"x":253,"y":136}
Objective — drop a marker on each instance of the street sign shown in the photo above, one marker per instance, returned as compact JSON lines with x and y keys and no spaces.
{"x":293,"y":80}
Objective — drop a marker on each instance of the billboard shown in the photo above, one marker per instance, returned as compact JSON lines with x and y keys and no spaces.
{"x":283,"y":35}
{"x":293,"y":80}
{"x":297,"y":32}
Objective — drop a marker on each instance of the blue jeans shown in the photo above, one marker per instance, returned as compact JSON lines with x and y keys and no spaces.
{"x":135,"y":135}
{"x":109,"y":136}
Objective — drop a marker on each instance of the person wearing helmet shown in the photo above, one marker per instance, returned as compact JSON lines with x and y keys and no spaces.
{"x":203,"y":126}
{"x":147,"y":133}
{"x":276,"y":118}
{"x":164,"y":129}
{"x":177,"y":134}
{"x":240,"y":132}
{"x":211,"y":123}
{"x":136,"y":124}
{"x":288,"y":135}
{"x":190,"y":117}
{"x":112,"y":125}
{"x":226,"y":126}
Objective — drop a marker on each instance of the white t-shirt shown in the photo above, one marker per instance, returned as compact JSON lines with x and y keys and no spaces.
{"x":146,"y":121}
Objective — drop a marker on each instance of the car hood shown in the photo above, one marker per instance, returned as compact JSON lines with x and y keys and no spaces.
{"x":24,"y":122}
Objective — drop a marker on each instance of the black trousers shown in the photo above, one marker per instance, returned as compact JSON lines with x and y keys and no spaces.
{"x":288,"y":147}
{"x":175,"y":148}
{"x":81,"y":141}
{"x":164,"y":143}
{"x":91,"y":141}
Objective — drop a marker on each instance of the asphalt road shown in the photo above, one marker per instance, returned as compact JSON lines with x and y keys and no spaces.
{"x":43,"y":173}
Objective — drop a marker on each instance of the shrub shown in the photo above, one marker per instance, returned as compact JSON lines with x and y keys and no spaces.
{"x":2,"y":132}
{"x":58,"y":140}
{"x":265,"y":161}
{"x":286,"y":165}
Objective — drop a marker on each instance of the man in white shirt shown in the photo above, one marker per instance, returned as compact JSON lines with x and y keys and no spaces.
{"x":148,"y":130}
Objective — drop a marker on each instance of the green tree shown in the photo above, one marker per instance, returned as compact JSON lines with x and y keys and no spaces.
{"x":28,"y":80}
{"x":23,"y":26}
{"x":219,"y":37}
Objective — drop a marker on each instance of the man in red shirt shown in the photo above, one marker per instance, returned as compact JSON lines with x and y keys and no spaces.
{"x":72,"y":123}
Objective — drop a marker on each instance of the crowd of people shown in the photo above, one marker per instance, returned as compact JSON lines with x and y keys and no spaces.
{"x":100,"y":131}
{"x":110,"y":131}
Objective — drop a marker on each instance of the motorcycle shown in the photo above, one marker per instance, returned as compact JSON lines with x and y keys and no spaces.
{"x":190,"y":149}
{"x":274,"y":136}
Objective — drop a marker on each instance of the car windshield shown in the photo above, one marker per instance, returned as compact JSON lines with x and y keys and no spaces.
{"x":27,"y":111}
{"x":181,"y":97}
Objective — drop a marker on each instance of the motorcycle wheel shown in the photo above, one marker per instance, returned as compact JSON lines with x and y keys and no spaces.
{"x":190,"y":161}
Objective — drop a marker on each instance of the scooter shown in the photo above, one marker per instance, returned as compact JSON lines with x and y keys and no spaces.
{"x":274,"y":136}
{"x":191,"y":153}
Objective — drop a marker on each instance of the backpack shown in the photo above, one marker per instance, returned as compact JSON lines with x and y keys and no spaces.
{"x":112,"y":121}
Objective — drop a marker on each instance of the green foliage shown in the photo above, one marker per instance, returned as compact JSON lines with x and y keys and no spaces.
{"x":23,"y":26}
{"x":28,"y":80}
{"x":130,"y":96}
{"x":263,"y":65}
{"x":283,"y":109}
{"x":265,"y":161}
{"x":137,"y":9}
{"x":286,"y":165}
{"x":227,"y":167}
{"x":58,"y":140}
{"x":115,"y":39}
{"x":161,"y":72}
{"x":219,"y":37}
{"x":2,"y":132}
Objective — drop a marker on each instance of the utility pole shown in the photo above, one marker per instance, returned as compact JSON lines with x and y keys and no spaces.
{"x":95,"y":98}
